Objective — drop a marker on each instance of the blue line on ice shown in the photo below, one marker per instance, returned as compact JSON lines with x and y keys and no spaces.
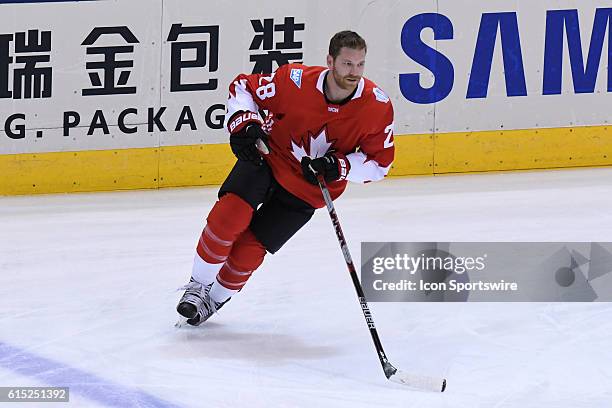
{"x":80,"y":382}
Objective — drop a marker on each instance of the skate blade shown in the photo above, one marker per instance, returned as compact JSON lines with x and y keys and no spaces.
{"x":182,"y":322}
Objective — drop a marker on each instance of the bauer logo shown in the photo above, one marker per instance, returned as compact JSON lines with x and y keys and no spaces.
{"x":487,"y":272}
{"x":296,"y":77}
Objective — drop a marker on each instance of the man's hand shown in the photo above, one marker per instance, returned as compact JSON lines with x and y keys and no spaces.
{"x":245,"y":130}
{"x":333,"y":166}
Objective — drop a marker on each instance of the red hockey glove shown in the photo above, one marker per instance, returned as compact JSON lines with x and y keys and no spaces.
{"x":245,"y":131}
{"x":333,"y":166}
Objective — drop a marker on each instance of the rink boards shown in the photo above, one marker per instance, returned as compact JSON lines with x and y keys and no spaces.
{"x":130,"y":94}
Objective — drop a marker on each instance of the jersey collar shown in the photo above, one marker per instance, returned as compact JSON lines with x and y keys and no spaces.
{"x":321,"y":80}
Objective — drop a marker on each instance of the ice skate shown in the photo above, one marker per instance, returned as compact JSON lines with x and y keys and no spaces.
{"x":192,"y":298}
{"x":207,"y":308}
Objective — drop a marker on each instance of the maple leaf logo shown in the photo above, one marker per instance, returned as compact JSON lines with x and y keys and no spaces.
{"x":315,"y":147}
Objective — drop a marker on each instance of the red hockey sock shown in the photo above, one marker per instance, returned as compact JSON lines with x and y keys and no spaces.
{"x":229,"y":218}
{"x":246,"y":256}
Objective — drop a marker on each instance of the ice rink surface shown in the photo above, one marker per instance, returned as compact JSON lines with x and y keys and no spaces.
{"x":87,"y":295}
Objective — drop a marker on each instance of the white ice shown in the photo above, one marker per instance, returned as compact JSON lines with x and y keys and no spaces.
{"x":88,"y":281}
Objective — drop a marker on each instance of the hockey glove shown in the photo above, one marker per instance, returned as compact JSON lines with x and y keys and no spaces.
{"x":333,"y":166}
{"x":245,"y":129}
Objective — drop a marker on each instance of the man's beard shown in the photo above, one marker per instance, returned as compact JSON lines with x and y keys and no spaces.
{"x":343,"y":82}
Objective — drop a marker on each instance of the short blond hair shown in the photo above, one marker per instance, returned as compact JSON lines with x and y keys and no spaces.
{"x":348,"y":39}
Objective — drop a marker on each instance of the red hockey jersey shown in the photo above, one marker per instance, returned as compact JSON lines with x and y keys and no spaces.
{"x":302,"y":123}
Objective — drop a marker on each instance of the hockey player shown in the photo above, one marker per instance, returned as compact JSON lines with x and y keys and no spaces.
{"x":332,"y":120}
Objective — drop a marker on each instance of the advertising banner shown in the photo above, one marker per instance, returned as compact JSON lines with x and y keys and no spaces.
{"x":476,"y":86}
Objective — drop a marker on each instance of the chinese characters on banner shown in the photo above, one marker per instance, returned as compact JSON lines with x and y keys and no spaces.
{"x":32,"y":75}
{"x":26,"y":57}
{"x":109,"y":65}
{"x":206,"y":51}
{"x":275,"y":52}
{"x":112,"y":67}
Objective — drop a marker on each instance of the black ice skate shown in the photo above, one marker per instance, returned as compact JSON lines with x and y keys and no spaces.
{"x":192,"y":299}
{"x":207,"y":308}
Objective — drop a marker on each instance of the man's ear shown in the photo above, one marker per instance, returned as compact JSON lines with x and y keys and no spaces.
{"x":330,"y":61}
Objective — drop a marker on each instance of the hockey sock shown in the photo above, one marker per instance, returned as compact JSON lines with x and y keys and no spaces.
{"x":246,"y":256}
{"x":229,"y":217}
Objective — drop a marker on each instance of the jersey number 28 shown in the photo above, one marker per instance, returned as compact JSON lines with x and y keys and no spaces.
{"x":268,"y":90}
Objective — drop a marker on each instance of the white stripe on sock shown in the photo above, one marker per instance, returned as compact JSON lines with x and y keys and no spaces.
{"x":215,"y":238}
{"x":210,"y":253}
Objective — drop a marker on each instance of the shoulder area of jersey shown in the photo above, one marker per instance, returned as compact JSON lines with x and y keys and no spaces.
{"x":374,"y":91}
{"x":296,"y":72}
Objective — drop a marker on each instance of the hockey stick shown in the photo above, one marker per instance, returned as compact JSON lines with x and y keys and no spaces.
{"x":392,"y":373}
